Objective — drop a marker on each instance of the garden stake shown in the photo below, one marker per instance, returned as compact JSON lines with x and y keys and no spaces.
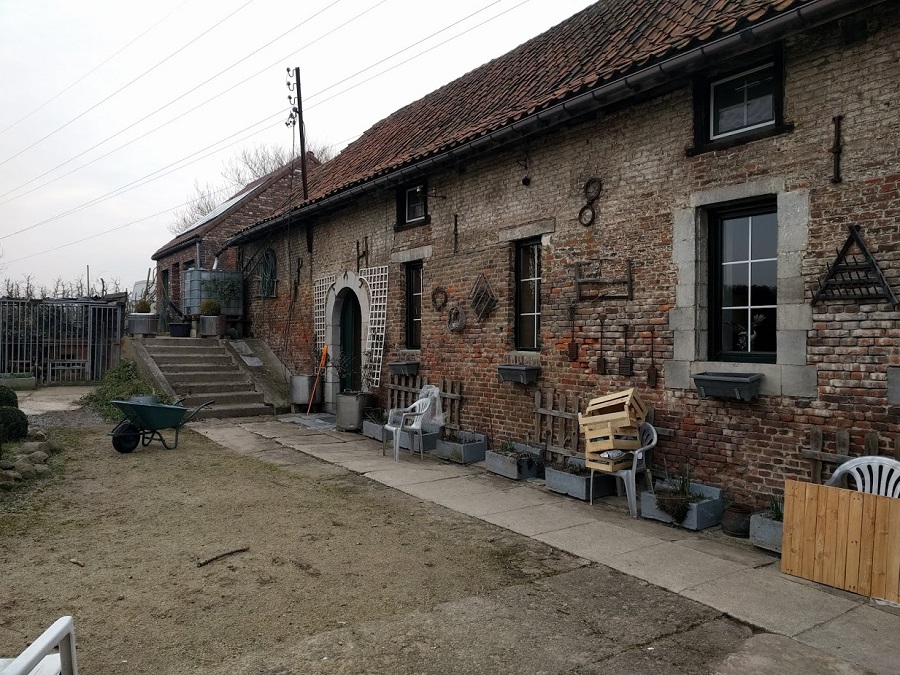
{"x":626,"y":363}
{"x":601,"y":359}
{"x":652,"y":375}
{"x":573,"y":346}
{"x":312,"y":396}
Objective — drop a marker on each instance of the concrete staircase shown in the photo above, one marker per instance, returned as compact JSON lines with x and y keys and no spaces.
{"x":201,"y":370}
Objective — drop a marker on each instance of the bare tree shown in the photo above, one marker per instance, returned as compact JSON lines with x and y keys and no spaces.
{"x":244,"y":168}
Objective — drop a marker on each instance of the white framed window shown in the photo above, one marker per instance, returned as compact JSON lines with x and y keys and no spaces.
{"x":414,"y":204}
{"x":528,"y":295}
{"x":743,"y":102}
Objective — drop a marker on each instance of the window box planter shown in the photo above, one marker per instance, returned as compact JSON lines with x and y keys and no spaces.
{"x":766,"y":532}
{"x":577,"y":485}
{"x":519,"y":464}
{"x":467,"y":447}
{"x":404,"y":367}
{"x":517,"y":372}
{"x":701,"y":514}
{"x":142,"y":323}
{"x":740,"y":386}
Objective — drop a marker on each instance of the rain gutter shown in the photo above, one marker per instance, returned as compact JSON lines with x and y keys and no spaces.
{"x":771,"y":30}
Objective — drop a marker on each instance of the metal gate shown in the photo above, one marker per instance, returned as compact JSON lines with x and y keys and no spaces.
{"x":59,"y":340}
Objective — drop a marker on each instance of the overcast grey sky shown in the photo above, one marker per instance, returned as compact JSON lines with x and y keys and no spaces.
{"x":110,"y":110}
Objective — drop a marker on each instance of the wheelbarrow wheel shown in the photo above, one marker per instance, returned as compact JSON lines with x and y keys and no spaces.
{"x":127,"y":438}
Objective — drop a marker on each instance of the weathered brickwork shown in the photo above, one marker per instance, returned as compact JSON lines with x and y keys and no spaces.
{"x":481,"y":208}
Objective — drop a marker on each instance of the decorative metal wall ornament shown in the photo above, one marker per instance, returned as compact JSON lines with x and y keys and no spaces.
{"x":439,"y":298}
{"x":592,"y":189}
{"x":456,"y":319}
{"x":855,"y":276}
{"x":482,"y":299}
{"x":626,"y":281}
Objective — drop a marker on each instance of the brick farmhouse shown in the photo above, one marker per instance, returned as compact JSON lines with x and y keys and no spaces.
{"x":652,"y":185}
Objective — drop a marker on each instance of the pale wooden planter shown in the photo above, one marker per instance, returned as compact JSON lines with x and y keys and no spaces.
{"x":700,"y":516}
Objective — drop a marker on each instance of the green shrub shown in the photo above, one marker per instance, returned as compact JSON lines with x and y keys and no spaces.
{"x":119,"y":384}
{"x":142,"y":306}
{"x":13,"y":424}
{"x":210,"y":308}
{"x":8,"y":397}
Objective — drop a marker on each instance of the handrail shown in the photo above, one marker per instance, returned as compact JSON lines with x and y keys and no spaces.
{"x":62,"y":634}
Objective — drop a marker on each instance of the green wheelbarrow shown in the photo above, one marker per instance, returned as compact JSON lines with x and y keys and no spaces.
{"x":144,"y":423}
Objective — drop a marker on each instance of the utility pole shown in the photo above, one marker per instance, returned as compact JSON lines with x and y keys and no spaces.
{"x":297,"y":115}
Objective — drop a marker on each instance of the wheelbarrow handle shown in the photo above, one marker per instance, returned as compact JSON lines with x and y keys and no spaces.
{"x":195,"y":411}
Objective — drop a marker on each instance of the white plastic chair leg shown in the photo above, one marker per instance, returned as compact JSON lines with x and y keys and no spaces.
{"x":591,"y":489}
{"x":397,"y":445}
{"x":631,"y":491}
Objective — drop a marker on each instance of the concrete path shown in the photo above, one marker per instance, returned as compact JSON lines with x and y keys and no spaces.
{"x":816,"y":628}
{"x":51,"y":399}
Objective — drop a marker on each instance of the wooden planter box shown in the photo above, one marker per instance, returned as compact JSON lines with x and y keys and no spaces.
{"x":514,"y":468}
{"x":739,"y":386}
{"x":701,"y":515}
{"x":469,"y":447}
{"x":577,"y":486}
{"x":766,"y":532}
{"x":842,"y":538}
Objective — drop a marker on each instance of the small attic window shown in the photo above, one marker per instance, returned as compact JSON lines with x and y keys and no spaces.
{"x":412,"y":205}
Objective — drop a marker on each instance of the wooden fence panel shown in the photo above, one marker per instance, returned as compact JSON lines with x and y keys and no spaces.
{"x":842,"y":538}
{"x":403,"y":390}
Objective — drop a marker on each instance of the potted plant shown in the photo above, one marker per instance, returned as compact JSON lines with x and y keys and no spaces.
{"x":463,"y":447}
{"x":571,"y":477}
{"x":142,"y":321}
{"x":683,"y":502}
{"x":212,"y":323}
{"x":514,"y":461}
{"x":767,"y":527}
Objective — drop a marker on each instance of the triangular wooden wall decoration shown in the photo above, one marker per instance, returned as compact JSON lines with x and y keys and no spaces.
{"x":855,"y":276}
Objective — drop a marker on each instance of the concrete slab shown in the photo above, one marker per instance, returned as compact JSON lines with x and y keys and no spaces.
{"x":362,"y":465}
{"x":672,"y":566}
{"x":744,"y":555}
{"x":769,"y":600}
{"x":51,"y":399}
{"x":498,"y":501}
{"x":441,"y":491}
{"x":402,"y":475}
{"x":273,"y":429}
{"x":767,"y":654}
{"x":299,"y":442}
{"x":533,"y":520}
{"x":236,"y":439}
{"x":851,"y":636}
{"x":597,"y":541}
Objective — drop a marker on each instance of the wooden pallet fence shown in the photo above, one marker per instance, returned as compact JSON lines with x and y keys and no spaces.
{"x":556,"y":424}
{"x":842,"y":538}
{"x":403,"y":390}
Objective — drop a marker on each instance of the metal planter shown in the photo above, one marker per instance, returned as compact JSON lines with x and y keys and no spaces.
{"x":739,"y":386}
{"x":517,"y":372}
{"x":512,"y":467}
{"x":469,"y":447}
{"x":578,"y":486}
{"x":701,"y":515}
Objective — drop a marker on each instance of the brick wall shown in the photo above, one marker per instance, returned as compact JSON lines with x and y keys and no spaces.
{"x":479,"y":209}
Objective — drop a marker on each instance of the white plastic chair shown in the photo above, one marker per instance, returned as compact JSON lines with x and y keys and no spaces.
{"x":40,"y":659}
{"x":407,"y":420}
{"x":872,"y":474}
{"x":648,"y":437}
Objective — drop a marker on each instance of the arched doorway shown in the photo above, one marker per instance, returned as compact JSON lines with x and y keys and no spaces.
{"x":350,"y":341}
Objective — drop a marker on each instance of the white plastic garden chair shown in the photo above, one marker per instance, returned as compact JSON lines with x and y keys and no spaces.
{"x":40,"y":659}
{"x":872,"y":474}
{"x":408,"y":420}
{"x":648,"y":437}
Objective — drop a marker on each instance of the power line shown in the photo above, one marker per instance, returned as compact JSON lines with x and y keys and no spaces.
{"x":91,"y":71}
{"x":122,"y":88}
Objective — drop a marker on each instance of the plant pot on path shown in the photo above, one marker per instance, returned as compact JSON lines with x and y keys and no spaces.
{"x":705,"y":512}
{"x":463,"y":447}
{"x":574,"y":480}
{"x":766,"y":532}
{"x":515,"y":463}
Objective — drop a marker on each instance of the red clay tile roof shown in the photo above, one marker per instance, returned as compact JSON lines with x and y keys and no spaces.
{"x":599,"y":44}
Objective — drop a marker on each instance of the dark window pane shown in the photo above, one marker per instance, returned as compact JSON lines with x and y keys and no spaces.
{"x":760,"y":108}
{"x":415,"y":204}
{"x":743,"y":102}
{"x":734,"y":330}
{"x":763,"y":330}
{"x":764,"y":236}
{"x":527,"y":296}
{"x":765,"y":283}
{"x":735,"y":239}
{"x":734,"y":285}
{"x":527,"y":332}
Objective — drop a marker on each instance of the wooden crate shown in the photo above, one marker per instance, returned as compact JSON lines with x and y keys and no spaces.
{"x":842,"y":538}
{"x":624,"y":409}
{"x":595,"y":461}
{"x":600,"y":437}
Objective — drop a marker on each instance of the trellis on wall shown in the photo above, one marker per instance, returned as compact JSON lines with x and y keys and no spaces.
{"x":377,"y":280}
{"x":320,"y":296}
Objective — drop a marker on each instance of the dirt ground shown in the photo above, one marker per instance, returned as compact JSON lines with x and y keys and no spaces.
{"x":341,"y":575}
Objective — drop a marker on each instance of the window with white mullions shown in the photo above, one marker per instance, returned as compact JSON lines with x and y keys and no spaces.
{"x":528,"y":295}
{"x":743,"y":102}
{"x":414,"y":305}
{"x":745,"y":284}
{"x":415,"y":204}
